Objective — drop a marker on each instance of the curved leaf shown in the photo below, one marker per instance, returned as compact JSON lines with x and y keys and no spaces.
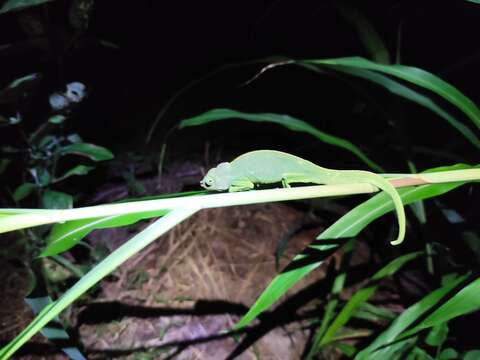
{"x":65,"y":236}
{"x":401,"y":90}
{"x":369,"y":37}
{"x":463,"y":302}
{"x":378,"y":350}
{"x":289,"y":122}
{"x":105,"y":267}
{"x":18,"y":87}
{"x":23,"y":191}
{"x":77,"y":170}
{"x":362,"y":295}
{"x":414,"y":75}
{"x":94,"y":152}
{"x":347,"y":226}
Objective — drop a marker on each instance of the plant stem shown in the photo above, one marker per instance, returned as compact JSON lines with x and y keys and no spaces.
{"x":33,"y":217}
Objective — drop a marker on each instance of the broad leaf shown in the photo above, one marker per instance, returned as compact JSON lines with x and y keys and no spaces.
{"x":23,"y":191}
{"x":56,"y":200}
{"x":94,"y":152}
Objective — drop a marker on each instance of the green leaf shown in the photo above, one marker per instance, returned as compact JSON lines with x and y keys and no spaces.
{"x":64,"y":236}
{"x":418,"y":354}
{"x":347,"y":349}
{"x":77,"y":170}
{"x":17,"y":88}
{"x":57,"y":119}
{"x":373,"y":313}
{"x":449,"y":354}
{"x":57,"y":200}
{"x":289,"y":122}
{"x":369,"y":37}
{"x":403,"y":91}
{"x":472,"y":355}
{"x":463,"y":302}
{"x":94,"y":152}
{"x":437,"y":336}
{"x":105,"y":267}
{"x":54,"y":330}
{"x":16,"y":5}
{"x":389,"y":342}
{"x":347,"y":226}
{"x":411,"y":74}
{"x":3,"y":165}
{"x":23,"y":191}
{"x":362,"y":296}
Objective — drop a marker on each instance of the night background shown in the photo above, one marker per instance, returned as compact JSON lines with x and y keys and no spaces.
{"x":99,"y":116}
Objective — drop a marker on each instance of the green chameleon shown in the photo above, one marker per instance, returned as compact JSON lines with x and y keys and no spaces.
{"x":270,"y":166}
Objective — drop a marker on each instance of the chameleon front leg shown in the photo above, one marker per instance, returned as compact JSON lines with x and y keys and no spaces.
{"x":241,"y":185}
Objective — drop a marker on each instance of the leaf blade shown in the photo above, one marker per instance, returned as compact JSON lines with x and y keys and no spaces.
{"x":287,"y":121}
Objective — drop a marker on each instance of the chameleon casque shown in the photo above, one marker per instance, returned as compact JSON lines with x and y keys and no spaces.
{"x":270,"y":166}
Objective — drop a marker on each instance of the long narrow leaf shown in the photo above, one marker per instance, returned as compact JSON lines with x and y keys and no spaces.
{"x":464,"y":302}
{"x":403,"y":91}
{"x":347,"y":226}
{"x":362,"y":296}
{"x":378,"y":350}
{"x":369,"y":37}
{"x":289,"y":122}
{"x":104,"y":268}
{"x":414,"y":75}
{"x":65,"y":236}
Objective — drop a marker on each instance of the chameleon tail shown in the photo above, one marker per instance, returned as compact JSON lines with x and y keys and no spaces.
{"x":385,"y":185}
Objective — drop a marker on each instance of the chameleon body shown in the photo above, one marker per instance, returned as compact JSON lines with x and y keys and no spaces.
{"x":270,"y":166}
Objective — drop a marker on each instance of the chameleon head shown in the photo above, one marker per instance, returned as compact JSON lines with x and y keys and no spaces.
{"x":219,"y":178}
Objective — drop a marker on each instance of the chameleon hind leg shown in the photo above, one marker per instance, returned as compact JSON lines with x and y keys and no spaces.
{"x":289,"y":178}
{"x":241,"y":185}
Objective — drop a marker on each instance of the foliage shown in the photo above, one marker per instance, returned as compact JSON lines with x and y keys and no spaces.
{"x":420,"y":331}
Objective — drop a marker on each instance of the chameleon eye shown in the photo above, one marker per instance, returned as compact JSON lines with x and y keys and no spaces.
{"x":209,"y":181}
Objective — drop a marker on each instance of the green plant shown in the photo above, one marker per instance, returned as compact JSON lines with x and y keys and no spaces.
{"x":424,"y":322}
{"x":42,"y":160}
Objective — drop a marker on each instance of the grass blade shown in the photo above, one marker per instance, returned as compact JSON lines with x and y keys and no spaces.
{"x":104,"y":268}
{"x":464,"y":302}
{"x":289,"y":122}
{"x":362,"y":296}
{"x":403,"y":91}
{"x":378,"y":349}
{"x":347,"y":226}
{"x":64,"y":236}
{"x":369,"y":37}
{"x":411,"y":74}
